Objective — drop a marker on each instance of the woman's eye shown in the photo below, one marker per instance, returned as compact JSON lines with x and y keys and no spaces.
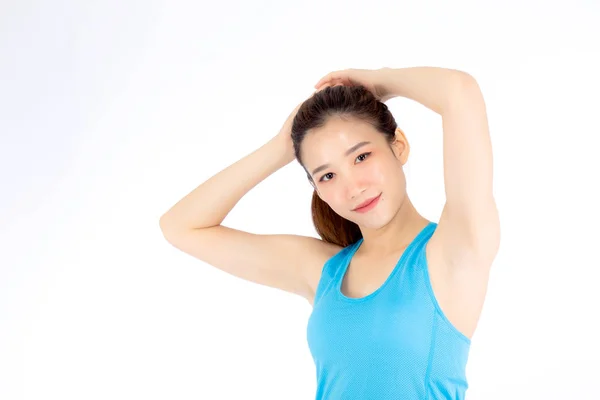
{"x":363,"y":154}
{"x":324,"y":176}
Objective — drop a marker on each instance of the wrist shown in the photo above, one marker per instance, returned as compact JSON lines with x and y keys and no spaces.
{"x":385,"y":88}
{"x":283,"y":146}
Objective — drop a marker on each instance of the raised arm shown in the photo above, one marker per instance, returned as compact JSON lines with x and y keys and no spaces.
{"x":283,"y":261}
{"x":469,"y":224}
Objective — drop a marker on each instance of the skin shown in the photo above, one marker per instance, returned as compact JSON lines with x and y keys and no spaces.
{"x":389,"y":227}
{"x":352,"y":179}
{"x":459,"y":253}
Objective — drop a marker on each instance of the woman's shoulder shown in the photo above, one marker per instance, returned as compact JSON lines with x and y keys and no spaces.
{"x":318,"y":253}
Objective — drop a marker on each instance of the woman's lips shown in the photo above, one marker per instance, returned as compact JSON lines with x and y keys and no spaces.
{"x":369,"y":206}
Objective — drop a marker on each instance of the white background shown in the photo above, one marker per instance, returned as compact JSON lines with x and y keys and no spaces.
{"x":110,"y":112}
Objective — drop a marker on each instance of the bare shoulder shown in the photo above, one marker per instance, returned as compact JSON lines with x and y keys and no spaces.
{"x":292,"y":263}
{"x":318,"y":252}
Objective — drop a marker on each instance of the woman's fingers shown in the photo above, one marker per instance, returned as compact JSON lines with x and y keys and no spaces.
{"x":332,"y":82}
{"x":332,"y":76}
{"x":322,"y":80}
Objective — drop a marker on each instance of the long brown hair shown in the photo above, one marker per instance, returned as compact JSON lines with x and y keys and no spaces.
{"x":343,"y":101}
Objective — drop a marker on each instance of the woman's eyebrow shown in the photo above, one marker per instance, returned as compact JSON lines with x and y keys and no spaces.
{"x":348,"y":152}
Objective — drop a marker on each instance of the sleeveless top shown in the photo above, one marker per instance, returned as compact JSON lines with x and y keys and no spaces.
{"x":395,"y":343}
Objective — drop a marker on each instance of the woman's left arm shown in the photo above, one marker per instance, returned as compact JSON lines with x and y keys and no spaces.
{"x":469,"y":221}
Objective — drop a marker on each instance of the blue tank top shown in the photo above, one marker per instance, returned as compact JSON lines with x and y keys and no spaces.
{"x":394,"y":343}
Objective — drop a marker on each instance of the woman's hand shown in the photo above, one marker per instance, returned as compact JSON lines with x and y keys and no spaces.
{"x":285,"y":133}
{"x":372,"y":79}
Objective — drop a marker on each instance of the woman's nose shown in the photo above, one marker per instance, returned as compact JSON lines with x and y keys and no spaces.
{"x":354,"y":191}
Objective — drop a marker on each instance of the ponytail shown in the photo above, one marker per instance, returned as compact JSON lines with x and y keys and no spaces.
{"x":330,"y":226}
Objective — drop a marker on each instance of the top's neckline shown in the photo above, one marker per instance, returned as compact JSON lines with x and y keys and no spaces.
{"x":401,"y":261}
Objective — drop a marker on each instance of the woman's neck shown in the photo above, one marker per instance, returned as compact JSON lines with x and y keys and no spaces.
{"x":396,"y":235}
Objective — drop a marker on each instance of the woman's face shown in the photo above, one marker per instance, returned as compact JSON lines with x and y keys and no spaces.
{"x":351,"y":162}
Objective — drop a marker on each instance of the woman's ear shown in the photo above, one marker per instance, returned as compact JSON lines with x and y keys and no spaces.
{"x":401,"y":146}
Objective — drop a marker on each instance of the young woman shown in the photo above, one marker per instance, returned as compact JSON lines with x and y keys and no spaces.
{"x":396,"y":297}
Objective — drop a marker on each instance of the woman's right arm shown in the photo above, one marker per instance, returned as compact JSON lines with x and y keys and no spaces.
{"x":208,"y":204}
{"x":288,"y":262}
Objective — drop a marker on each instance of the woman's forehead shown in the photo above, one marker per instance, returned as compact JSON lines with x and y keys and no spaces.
{"x":332,"y":140}
{"x":338,"y":134}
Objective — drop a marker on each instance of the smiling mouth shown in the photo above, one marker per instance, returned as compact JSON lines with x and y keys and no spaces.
{"x":367,"y":203}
